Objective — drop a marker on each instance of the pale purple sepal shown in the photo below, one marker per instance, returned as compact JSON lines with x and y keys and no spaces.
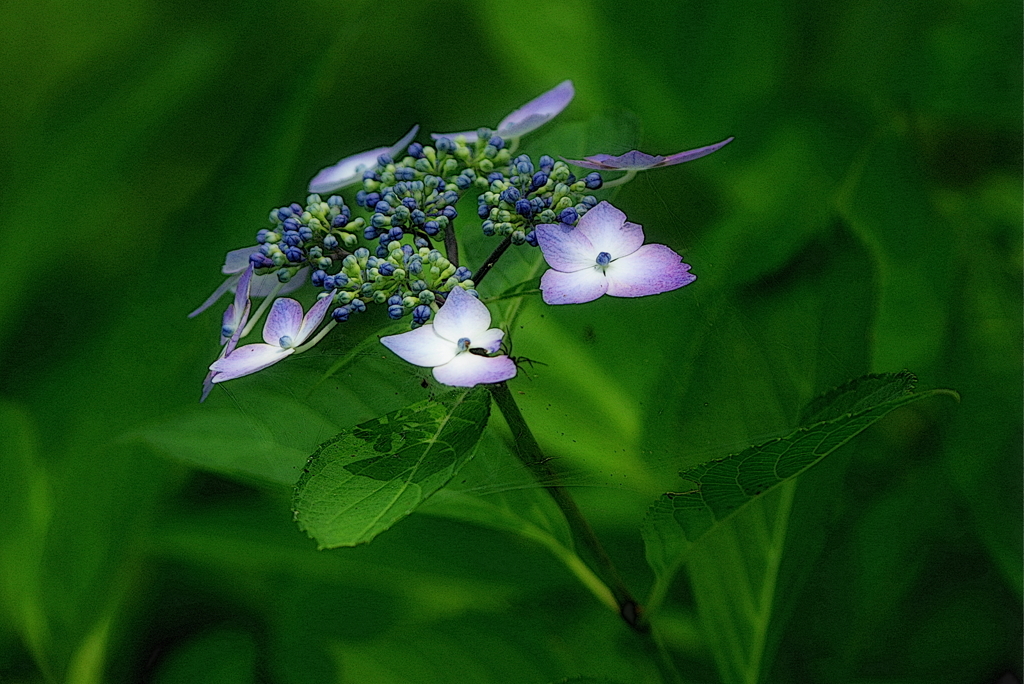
{"x":527,"y":118}
{"x":247,"y":360}
{"x":461,"y":315}
{"x":640,"y":161}
{"x":436,"y":345}
{"x":467,"y":370}
{"x":566,"y":248}
{"x":284,"y":320}
{"x":578,"y":287}
{"x":422,"y":346}
{"x":608,"y":231}
{"x":650,"y":270}
{"x":350,"y":170}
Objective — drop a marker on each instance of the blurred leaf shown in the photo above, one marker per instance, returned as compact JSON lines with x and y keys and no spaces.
{"x":724,"y":486}
{"x":26,"y":502}
{"x":238,"y":444}
{"x":369,"y":477}
{"x":218,"y":656}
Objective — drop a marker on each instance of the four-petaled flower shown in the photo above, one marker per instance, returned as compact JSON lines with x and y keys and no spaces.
{"x":640,"y":161}
{"x":456,"y":344}
{"x":349,"y":170}
{"x":286,"y":328}
{"x":605,"y":254}
{"x":527,"y":118}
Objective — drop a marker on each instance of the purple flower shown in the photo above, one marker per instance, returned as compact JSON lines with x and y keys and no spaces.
{"x":349,"y":170}
{"x":527,"y":118}
{"x":605,"y":254}
{"x":455,"y":344}
{"x":286,"y":328}
{"x":639,"y":161}
{"x":235,"y":263}
{"x":234,"y":320}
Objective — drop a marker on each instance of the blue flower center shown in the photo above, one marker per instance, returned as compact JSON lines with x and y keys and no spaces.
{"x":603,"y":259}
{"x":463,"y":344}
{"x":285,"y":342}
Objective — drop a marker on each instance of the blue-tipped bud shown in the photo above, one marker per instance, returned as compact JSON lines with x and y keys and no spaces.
{"x":593,"y":181}
{"x":463,"y":273}
{"x":415,"y":150}
{"x":261,"y":235}
{"x":294,"y":254}
{"x":539,"y":179}
{"x":306,"y":233}
{"x":421,"y":314}
{"x":335,"y":201}
{"x":291,"y":223}
{"x":417,"y":217}
{"x":511,"y":195}
{"x":382,"y":207}
{"x":431,"y":227}
{"x":603,"y":259}
{"x":396,"y":311}
{"x":546,"y":163}
{"x":285,"y":212}
{"x":394,"y":299}
{"x":284,"y":275}
{"x":357,"y":306}
{"x":446,"y":145}
{"x":341,"y":314}
{"x":395,"y":234}
{"x":449,"y":213}
{"x":382,"y":252}
{"x":483,"y":211}
{"x":296,"y":208}
{"x":386,"y":269}
{"x":495,"y":176}
{"x":589,"y":201}
{"x":531,"y":238}
{"x":497,"y":142}
{"x":339,"y":221}
{"x":330,"y":242}
{"x":569,"y":216}
{"x":385,"y":159}
{"x":421,"y":243}
{"x":405,"y":174}
{"x":318,"y":278}
{"x":369,"y":232}
{"x":410,"y":203}
{"x":463,"y":182}
{"x":488,"y":228}
{"x":524,"y":208}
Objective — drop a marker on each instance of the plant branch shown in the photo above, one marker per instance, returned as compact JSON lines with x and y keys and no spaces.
{"x":525,"y":447}
{"x":451,"y":245}
{"x":491,"y":261}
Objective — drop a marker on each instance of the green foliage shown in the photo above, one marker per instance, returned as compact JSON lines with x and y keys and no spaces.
{"x":369,"y":477}
{"x":866,"y":219}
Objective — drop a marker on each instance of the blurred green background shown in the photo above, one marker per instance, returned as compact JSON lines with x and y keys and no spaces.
{"x":867,"y":218}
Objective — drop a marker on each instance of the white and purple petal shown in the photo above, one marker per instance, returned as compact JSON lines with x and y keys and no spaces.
{"x":422,"y":346}
{"x":566,"y":248}
{"x":246,"y":360}
{"x":467,"y":370}
{"x":461,"y":315}
{"x":537,"y":111}
{"x":634,"y":160}
{"x":608,"y":231}
{"x":573,"y":288}
{"x":489,"y":339}
{"x":690,"y":155}
{"x":527,"y":118}
{"x":284,"y":320}
{"x":350,"y":169}
{"x":313,"y":317}
{"x":650,"y":270}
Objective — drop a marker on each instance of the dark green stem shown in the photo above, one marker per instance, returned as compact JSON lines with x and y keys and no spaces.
{"x":525,"y":447}
{"x":491,"y":260}
{"x":451,"y":245}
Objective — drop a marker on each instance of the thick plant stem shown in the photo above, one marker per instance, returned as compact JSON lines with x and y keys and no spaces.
{"x":451,"y":245}
{"x":525,"y":447}
{"x":491,"y":260}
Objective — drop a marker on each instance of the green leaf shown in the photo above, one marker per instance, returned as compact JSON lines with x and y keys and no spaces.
{"x":722,"y":487}
{"x":369,"y":477}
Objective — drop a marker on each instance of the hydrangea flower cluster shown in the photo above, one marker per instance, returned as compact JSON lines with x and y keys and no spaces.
{"x":397,"y":247}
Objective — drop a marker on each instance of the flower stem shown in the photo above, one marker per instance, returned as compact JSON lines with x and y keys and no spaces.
{"x":525,"y":447}
{"x":451,"y":245}
{"x":621,"y":180}
{"x":491,"y":260}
